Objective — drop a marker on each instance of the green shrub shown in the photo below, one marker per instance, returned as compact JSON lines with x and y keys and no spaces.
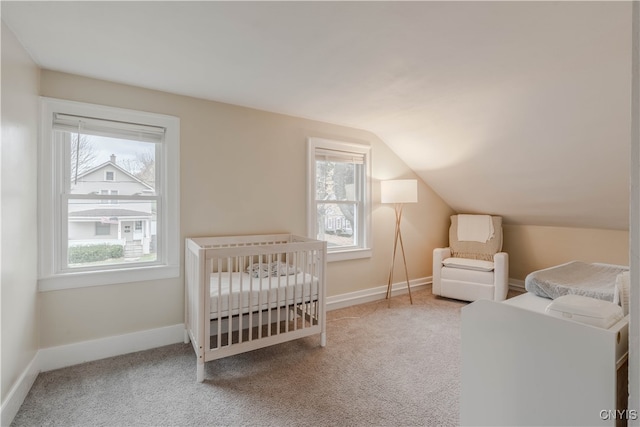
{"x":94,"y":253}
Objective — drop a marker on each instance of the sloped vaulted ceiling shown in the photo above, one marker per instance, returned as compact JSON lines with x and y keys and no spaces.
{"x":515,"y":108}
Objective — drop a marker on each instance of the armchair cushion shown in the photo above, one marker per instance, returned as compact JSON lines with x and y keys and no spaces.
{"x":469,"y":264}
{"x":473,"y":249}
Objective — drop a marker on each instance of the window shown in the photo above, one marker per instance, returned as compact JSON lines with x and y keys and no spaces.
{"x":340,"y":197}
{"x":89,"y":239}
{"x":103,"y":229}
{"x":109,"y":201}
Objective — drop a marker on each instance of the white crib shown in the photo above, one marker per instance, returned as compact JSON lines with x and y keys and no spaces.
{"x":247,"y":292}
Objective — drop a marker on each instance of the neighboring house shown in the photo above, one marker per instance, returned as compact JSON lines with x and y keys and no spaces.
{"x":112,"y":220}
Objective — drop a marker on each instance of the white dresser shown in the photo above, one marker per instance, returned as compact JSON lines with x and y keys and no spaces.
{"x":521,"y":366}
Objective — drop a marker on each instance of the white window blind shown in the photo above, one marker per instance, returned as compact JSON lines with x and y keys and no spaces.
{"x":111,"y":128}
{"x":339,"y":156}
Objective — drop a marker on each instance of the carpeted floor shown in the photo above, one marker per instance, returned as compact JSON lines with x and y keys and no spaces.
{"x":381,"y":366}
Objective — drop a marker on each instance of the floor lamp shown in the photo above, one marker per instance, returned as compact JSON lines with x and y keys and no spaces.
{"x":398,"y":192}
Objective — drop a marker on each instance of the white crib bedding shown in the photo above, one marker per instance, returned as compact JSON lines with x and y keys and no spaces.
{"x":593,"y":280}
{"x":251,"y":294}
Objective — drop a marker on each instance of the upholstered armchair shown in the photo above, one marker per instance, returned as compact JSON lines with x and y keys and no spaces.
{"x":473,"y":266}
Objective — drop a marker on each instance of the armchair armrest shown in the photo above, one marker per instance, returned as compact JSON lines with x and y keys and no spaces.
{"x":501,"y":271}
{"x":439,"y":255}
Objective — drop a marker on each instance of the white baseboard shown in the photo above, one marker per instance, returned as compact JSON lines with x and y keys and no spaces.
{"x":373,"y":294}
{"x":18,"y":392}
{"x":517,"y":285}
{"x":48,"y":359}
{"x":86,"y":351}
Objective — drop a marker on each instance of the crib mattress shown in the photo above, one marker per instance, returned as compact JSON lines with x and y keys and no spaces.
{"x":247,"y":294}
{"x":593,"y":280}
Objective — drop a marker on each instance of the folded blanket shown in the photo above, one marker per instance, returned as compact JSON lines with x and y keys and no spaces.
{"x":271,"y":269}
{"x":475,"y":228}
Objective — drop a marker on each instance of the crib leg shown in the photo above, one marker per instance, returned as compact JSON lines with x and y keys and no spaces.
{"x":186,"y":337}
{"x":200,"y":372}
{"x":323,"y":339}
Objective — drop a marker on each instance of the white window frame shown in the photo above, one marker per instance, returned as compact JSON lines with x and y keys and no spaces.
{"x":363,"y":248}
{"x":51,"y":275}
{"x":113,"y":175}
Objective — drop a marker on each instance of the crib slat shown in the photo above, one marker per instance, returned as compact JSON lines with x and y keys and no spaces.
{"x":287,"y":290}
{"x":237,"y":268}
{"x":219,"y":303}
{"x":305,"y":305}
{"x":230,"y":300}
{"x":260,"y":296}
{"x":278,"y":284}
{"x":250,"y":304}
{"x":295,"y":293}
{"x":269,"y":263}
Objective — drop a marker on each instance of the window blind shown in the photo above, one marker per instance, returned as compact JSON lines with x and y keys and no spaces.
{"x":109,"y":128}
{"x":327,"y":155}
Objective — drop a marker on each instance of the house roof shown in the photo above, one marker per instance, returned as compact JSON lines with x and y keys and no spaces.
{"x":514,"y":108}
{"x":114,"y":165}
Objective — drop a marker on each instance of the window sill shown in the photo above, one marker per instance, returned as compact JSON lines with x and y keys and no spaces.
{"x":349,"y":254}
{"x":113,"y":277}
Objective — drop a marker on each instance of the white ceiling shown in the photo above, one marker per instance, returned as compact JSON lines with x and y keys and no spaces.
{"x":516,"y":108}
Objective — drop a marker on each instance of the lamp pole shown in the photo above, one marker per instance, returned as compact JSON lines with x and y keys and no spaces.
{"x":398,"y":237}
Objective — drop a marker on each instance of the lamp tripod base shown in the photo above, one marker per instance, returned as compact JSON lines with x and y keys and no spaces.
{"x":398,"y":238}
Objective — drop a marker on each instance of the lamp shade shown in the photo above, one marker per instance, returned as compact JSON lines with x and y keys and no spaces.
{"x":399,"y":191}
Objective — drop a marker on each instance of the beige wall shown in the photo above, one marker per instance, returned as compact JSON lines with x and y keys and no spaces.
{"x":531,"y":247}
{"x":243,"y":171}
{"x":18,"y":281}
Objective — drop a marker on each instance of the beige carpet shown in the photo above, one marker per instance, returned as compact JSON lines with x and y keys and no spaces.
{"x":381,"y":366}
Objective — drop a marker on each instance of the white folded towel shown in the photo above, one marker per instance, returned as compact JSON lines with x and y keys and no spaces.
{"x":475,"y":228}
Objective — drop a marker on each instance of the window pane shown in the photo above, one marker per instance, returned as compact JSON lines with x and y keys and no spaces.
{"x":336,"y":224}
{"x":101,"y":235}
{"x":336,"y":180}
{"x":103,"y":229}
{"x":98,"y":163}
